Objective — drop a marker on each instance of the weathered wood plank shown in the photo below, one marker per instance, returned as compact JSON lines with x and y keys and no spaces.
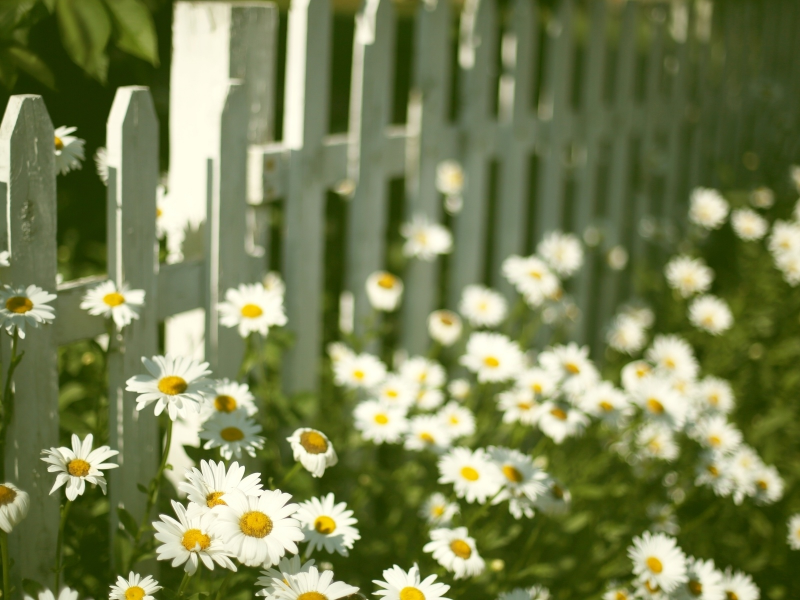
{"x":27,"y":168}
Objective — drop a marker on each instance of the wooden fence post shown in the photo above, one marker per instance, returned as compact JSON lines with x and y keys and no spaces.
{"x":27,"y":168}
{"x":133,"y":147}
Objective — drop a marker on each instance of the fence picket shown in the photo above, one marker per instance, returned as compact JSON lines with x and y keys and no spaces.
{"x":27,"y":168}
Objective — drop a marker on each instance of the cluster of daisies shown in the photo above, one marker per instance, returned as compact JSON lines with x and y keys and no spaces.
{"x":662,"y":571}
{"x":692,"y":277}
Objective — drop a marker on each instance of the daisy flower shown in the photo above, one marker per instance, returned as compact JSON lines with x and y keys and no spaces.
{"x":660,"y":403}
{"x":717,"y":434}
{"x":23,"y":306}
{"x":65,"y":594}
{"x":673,"y":356}
{"x":688,"y":275}
{"x":704,"y":581}
{"x":135,"y":587}
{"x":425,"y":240}
{"x":533,"y":593}
{"x":493,"y":357}
{"x":101,"y":164}
{"x":566,"y":361}
{"x":739,"y":585}
{"x":473,"y":474}
{"x":5,"y":258}
{"x":384,"y":291}
{"x":748,"y":224}
{"x":190,"y":540}
{"x":558,"y":421}
{"x":762,"y":197}
{"x":556,"y":500}
{"x":429,"y":399}
{"x":455,"y":551}
{"x":359,"y":371}
{"x":714,"y":395}
{"x":232,"y":433}
{"x":713,"y":470}
{"x":427,"y":432}
{"x":313,"y":449}
{"x":398,"y":391}
{"x":228,"y":396}
{"x":634,"y":373}
{"x":457,"y":420}
{"x":423,"y":372}
{"x":658,"y":562}
{"x":337,"y":351}
{"x":252,"y":308}
{"x":707,"y":208}
{"x":444,"y":326}
{"x":618,"y":593}
{"x":606,"y":402}
{"x":769,"y":485}
{"x":286,"y":566}
{"x":175,"y":383}
{"x":482,"y":307}
{"x":540,"y":382}
{"x":258,"y":530}
{"x":68,"y":149}
{"x":14,"y":504}
{"x":379,"y":423}
{"x":121,"y":304}
{"x":78,"y":465}
{"x":312,"y":586}
{"x":532,"y":278}
{"x":450,"y":178}
{"x":398,"y":584}
{"x":656,"y":440}
{"x":519,"y":406}
{"x":562,"y":251}
{"x":793,"y":535}
{"x":523,"y":482}
{"x":627,"y":335}
{"x":327,"y":525}
{"x":459,"y":389}
{"x":438,"y":510}
{"x":710,"y":314}
{"x":785,"y":238}
{"x":789,"y":265}
{"x":210,"y":485}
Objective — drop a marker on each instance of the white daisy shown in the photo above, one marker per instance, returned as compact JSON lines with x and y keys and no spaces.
{"x":688,"y":275}
{"x":190,"y":539}
{"x":715,"y":433}
{"x":175,"y":383}
{"x":556,"y":500}
{"x":78,"y":465}
{"x":710,"y":314}
{"x":423,"y":372}
{"x":634,"y":373}
{"x":359,"y":371}
{"x":14,"y":504}
{"x":397,"y":390}
{"x":740,"y":586}
{"x":258,"y":530}
{"x":5,"y":258}
{"x":785,"y":238}
{"x":762,"y":197}
{"x":793,"y":535}
{"x":714,"y":395}
{"x":210,"y":485}
{"x":482,"y":307}
{"x":427,"y":432}
{"x":327,"y":525}
{"x":533,"y":593}
{"x":558,"y":421}
{"x":450,"y":178}
{"x":660,"y":403}
{"x":748,"y":224}
{"x":68,"y":150}
{"x":789,"y":265}
{"x":673,"y":356}
{"x":135,"y":587}
{"x":540,"y":382}
{"x":65,"y":594}
{"x":384,"y":290}
{"x":605,"y":402}
{"x":618,"y":593}
{"x":626,"y":334}
{"x":429,"y":398}
{"x":518,"y":406}
{"x":228,"y":396}
{"x":444,"y":326}
{"x":121,"y":305}
{"x":656,"y":440}
{"x":398,"y":584}
{"x":101,"y":163}
{"x":232,"y":433}
{"x":704,"y":582}
{"x":523,"y":482}
{"x":425,"y":240}
{"x":252,"y":308}
{"x":617,"y":258}
{"x":288,"y":566}
{"x":493,"y":357}
{"x":23,"y":306}
{"x":438,"y":510}
{"x":313,"y":449}
{"x":707,"y":208}
{"x":714,"y":471}
{"x":562,"y":251}
{"x":532,"y":278}
{"x":473,"y":474}
{"x":379,"y":423}
{"x":311,"y":586}
{"x":458,"y":420}
{"x":567,"y":361}
{"x":657,"y":561}
{"x":459,"y":389}
{"x":337,"y":351}
{"x":455,"y":551}
{"x":769,"y":485}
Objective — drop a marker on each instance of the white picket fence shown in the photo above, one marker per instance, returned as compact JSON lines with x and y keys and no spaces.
{"x":225,"y":168}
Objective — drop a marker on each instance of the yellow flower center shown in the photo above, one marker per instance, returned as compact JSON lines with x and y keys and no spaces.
{"x":641,"y":371}
{"x":669,"y":363}
{"x":172,"y":385}
{"x":231,"y":434}
{"x":695,"y":587}
{"x":251,"y":311}
{"x":537,"y":388}
{"x":606,"y":406}
{"x":411,"y":593}
{"x":713,"y":399}
{"x":512,"y":474}
{"x":225,"y":403}
{"x":650,"y":587}
{"x":387,"y":281}
{"x":313,"y":442}
{"x":762,"y":485}
{"x":134,"y":592}
{"x":558,"y":414}
{"x":438,"y":511}
{"x":654,"y":564}
{"x":59,"y":143}
{"x":392,"y":393}
{"x":731,"y":595}
{"x":572,"y":368}
{"x":557,"y":492}
{"x":215,"y":499}
{"x":712,"y":470}
{"x":461,"y":549}
{"x":535,"y":274}
{"x":381,"y":419}
{"x":159,"y":212}
{"x":7,"y":495}
{"x":19,"y":304}
{"x":255,"y":524}
{"x":193,"y":538}
{"x":524,"y":405}
{"x":78,"y":467}
{"x":454,"y":420}
{"x":446,"y":320}
{"x":359,"y":374}
{"x":312,"y":596}
{"x":426,"y":437}
{"x":654,"y":406}
{"x":714,"y":440}
{"x":621,"y":596}
{"x":469,"y":473}
{"x":114,"y":299}
{"x":491,"y":361}
{"x":324,"y":525}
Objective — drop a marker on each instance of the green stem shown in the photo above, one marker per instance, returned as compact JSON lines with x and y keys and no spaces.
{"x":7,"y":400}
{"x":60,"y":543}
{"x":184,"y":583}
{"x":482,"y":510}
{"x":291,"y":473}
{"x":6,"y":566}
{"x":222,"y":586}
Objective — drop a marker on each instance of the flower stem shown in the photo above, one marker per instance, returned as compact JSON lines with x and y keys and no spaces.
{"x":222,"y":586}
{"x":60,"y":543}
{"x":6,"y":566}
{"x":184,"y":583}
{"x":482,"y":510}
{"x":7,"y":400}
{"x":291,"y":473}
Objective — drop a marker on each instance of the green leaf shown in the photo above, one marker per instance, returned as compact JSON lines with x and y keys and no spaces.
{"x":128,"y":522}
{"x":135,"y":28}
{"x":8,"y":69}
{"x":141,"y":488}
{"x":85,"y":30}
